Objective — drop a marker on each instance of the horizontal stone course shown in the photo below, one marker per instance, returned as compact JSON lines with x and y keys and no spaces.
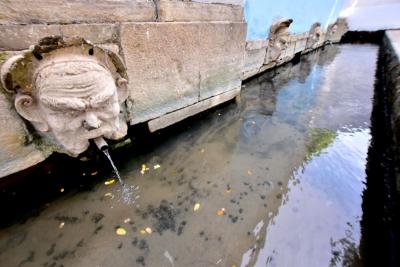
{"x":170,"y":10}
{"x":63,"y":11}
{"x":20,"y":37}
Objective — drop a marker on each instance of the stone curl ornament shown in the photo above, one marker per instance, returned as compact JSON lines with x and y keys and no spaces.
{"x":69,"y":90}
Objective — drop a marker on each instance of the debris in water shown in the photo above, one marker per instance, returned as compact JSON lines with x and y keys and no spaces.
{"x":120,"y":231}
{"x":144,"y":169}
{"x":62,"y":190}
{"x":143,"y":232}
{"x":93,"y":173}
{"x":202,"y":150}
{"x":109,"y":182}
{"x":110,"y":195}
{"x":61,"y":225}
{"x":169,"y":257}
{"x":157,"y":166}
{"x":228,"y":188}
{"x":221,"y":212}
{"x":196,"y":207}
{"x":127,"y":220}
{"x":249,"y":172}
{"x":148,"y":230}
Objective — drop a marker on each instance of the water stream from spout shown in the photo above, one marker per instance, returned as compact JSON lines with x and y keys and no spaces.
{"x":105,"y":151}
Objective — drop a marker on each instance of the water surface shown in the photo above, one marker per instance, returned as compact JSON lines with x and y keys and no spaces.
{"x":272,"y":180}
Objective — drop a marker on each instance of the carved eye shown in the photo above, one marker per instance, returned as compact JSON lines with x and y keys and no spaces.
{"x":91,"y":51}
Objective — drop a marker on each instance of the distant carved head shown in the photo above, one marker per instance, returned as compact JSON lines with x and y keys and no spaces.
{"x":278,"y":38}
{"x":69,"y":90}
{"x":315,"y":35}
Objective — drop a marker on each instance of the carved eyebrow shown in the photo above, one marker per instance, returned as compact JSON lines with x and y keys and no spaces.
{"x":62,"y":103}
{"x":75,"y":103}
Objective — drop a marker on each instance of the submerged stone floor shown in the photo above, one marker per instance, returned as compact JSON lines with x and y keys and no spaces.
{"x":272,"y":180}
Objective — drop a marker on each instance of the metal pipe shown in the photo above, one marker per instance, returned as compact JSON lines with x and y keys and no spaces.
{"x":100,"y":143}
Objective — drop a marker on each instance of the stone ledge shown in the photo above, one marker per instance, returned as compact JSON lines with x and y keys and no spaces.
{"x":181,"y":11}
{"x":63,"y":11}
{"x":189,"y":111}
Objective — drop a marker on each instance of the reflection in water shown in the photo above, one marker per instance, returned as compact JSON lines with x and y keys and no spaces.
{"x":272,"y":180}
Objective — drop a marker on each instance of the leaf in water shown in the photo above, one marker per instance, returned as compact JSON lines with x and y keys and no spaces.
{"x":127,"y":220}
{"x":249,"y":172}
{"x":62,"y":190}
{"x":196,"y":207}
{"x":120,"y":231}
{"x":157,"y":166}
{"x":144,"y":169}
{"x":109,"y":182}
{"x":148,"y":230}
{"x":61,"y":225}
{"x":221,"y":212}
{"x":109,"y":195}
{"x":143,"y":232}
{"x":93,"y":173}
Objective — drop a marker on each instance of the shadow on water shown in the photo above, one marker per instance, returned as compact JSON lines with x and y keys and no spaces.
{"x":380,"y":244}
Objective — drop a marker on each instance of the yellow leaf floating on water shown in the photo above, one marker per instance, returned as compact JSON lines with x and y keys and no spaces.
{"x":109,"y":182}
{"x":143,"y":232}
{"x":157,"y":166}
{"x":109,"y":195}
{"x":120,"y":231}
{"x":144,"y":169}
{"x":221,"y":212}
{"x":148,"y":230}
{"x":196,"y":207}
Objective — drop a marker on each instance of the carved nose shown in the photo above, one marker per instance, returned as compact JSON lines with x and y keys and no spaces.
{"x":91,"y":121}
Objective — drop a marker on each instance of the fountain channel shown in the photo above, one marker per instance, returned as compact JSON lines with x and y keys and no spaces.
{"x":275,"y":179}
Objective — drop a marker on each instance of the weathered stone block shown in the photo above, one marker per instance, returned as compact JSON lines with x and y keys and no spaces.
{"x":20,"y":37}
{"x":254,"y":57}
{"x":64,"y":11}
{"x":170,"y":10}
{"x":301,"y":41}
{"x":253,"y":61}
{"x":162,"y":61}
{"x":222,"y":47}
{"x":173,"y":65}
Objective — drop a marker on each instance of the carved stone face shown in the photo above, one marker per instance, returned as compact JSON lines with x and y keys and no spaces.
{"x":78,"y":100}
{"x":70,"y":94}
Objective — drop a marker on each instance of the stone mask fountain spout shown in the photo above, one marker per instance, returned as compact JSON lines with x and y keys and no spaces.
{"x":70,"y":91}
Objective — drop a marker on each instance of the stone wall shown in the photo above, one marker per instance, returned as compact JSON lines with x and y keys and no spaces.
{"x":177,"y":53}
{"x":391,"y":44}
{"x":258,"y":52}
